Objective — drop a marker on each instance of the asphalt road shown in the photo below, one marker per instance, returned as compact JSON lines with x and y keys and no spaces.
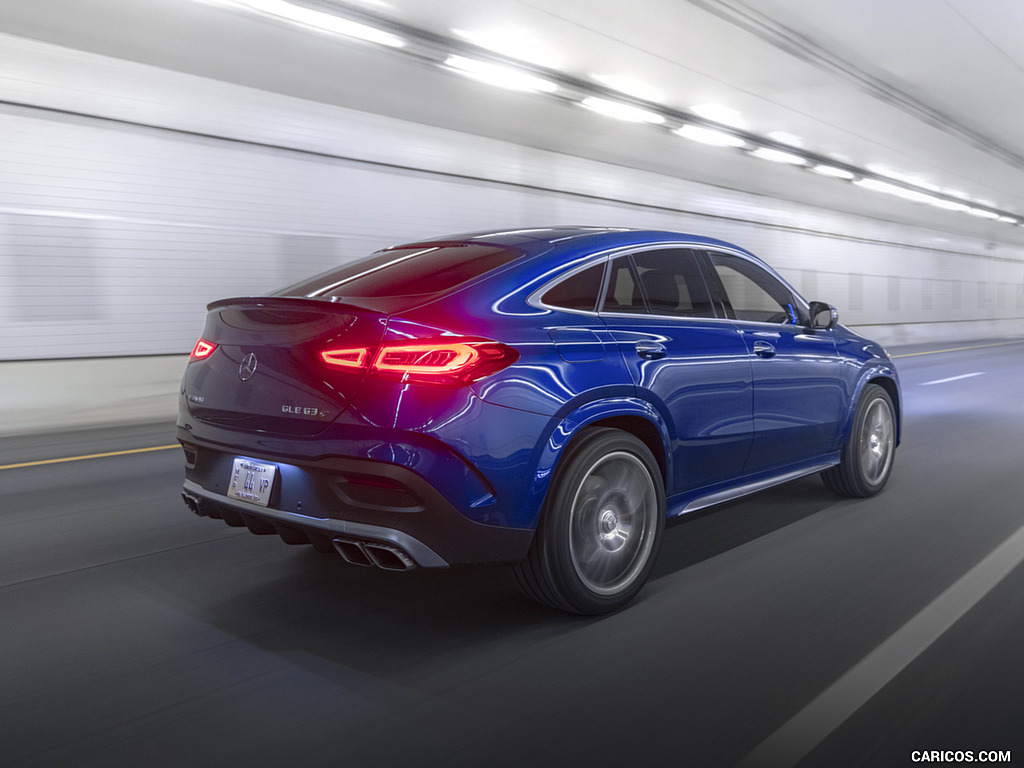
{"x":792,"y":627}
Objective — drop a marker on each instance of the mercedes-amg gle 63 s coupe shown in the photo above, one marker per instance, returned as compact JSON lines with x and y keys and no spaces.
{"x":544,"y":398}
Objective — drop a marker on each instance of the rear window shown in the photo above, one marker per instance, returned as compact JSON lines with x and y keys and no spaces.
{"x":577,"y":292}
{"x":406,"y":272}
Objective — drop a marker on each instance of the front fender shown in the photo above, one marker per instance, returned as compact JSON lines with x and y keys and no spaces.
{"x":884,"y":374}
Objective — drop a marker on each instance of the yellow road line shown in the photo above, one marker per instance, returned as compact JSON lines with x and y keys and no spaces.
{"x":89,"y":456}
{"x":959,"y":349}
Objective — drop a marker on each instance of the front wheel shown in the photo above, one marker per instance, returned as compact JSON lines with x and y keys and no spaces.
{"x":601,"y":527}
{"x":867,"y":455}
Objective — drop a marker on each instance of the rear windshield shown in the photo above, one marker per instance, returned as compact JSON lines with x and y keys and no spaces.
{"x":406,"y":272}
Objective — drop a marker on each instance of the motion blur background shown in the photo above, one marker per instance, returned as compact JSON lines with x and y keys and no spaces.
{"x":156,"y":155}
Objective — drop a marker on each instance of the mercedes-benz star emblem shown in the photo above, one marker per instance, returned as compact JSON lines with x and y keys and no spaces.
{"x":248,"y":367}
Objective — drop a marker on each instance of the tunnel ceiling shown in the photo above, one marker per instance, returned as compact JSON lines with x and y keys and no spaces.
{"x":916,"y":90}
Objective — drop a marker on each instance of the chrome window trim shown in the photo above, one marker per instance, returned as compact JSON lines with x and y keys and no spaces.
{"x":603,"y":257}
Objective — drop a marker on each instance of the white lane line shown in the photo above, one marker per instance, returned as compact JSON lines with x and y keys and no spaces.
{"x":953,"y":378}
{"x":811,"y":725}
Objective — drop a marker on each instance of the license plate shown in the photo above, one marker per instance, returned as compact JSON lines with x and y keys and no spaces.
{"x":252,"y":481}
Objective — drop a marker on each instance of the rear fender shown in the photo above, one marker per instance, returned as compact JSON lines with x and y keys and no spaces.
{"x":589,"y":414}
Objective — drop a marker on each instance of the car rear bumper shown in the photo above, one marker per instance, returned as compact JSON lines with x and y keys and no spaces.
{"x":372,"y":512}
{"x":287,"y":524}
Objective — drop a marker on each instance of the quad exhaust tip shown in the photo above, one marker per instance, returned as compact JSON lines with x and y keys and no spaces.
{"x":192,"y":503}
{"x":367,"y":553}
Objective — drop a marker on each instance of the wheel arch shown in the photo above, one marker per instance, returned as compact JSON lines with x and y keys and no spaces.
{"x":632,"y":415}
{"x":893,"y":390}
{"x":643,"y":429}
{"x":885,"y":377}
{"x":593,"y":551}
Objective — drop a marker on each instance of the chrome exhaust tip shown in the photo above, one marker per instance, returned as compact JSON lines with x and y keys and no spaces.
{"x":352,"y":552}
{"x":388,"y":557}
{"x":365,"y":553}
{"x":192,"y":503}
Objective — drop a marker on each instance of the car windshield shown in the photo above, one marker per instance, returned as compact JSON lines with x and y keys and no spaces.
{"x":406,"y":271}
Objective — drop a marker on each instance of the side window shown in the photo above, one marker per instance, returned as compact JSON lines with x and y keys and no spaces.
{"x":580,"y":291}
{"x":623,"y":293}
{"x":673,"y":283}
{"x":748,"y":292}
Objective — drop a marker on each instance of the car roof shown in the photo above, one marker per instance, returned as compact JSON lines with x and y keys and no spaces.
{"x":547,"y":252}
{"x":535,"y":241}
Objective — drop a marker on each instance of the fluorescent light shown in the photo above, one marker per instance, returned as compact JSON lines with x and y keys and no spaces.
{"x":631,"y":87}
{"x":906,"y":178}
{"x":877,"y":186}
{"x":515,"y":45}
{"x":710,"y":136}
{"x":923,"y":197}
{"x":786,"y":138}
{"x":889,"y":173}
{"x":622,"y":111}
{"x":834,"y":172}
{"x":894,"y":189}
{"x":500,"y":75}
{"x":948,"y":205}
{"x":719,"y":114}
{"x":325,"y":22}
{"x":778,"y":156}
{"x":1008,"y":219}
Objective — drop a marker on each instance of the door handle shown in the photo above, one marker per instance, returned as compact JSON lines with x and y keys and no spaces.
{"x":764,"y":349}
{"x":650,"y":350}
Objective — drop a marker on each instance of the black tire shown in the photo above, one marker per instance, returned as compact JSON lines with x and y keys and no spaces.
{"x":868,"y":453}
{"x":600,"y":528}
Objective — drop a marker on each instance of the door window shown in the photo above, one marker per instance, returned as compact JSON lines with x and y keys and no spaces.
{"x":673,"y":283}
{"x":664,"y":281}
{"x":745,"y":291}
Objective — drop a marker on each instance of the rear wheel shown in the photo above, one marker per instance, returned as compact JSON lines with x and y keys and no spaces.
{"x":867,"y":455}
{"x":601,"y":527}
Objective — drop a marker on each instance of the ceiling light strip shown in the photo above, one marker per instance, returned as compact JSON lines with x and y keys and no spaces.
{"x":319,"y":20}
{"x":500,"y":75}
{"x":503,"y":70}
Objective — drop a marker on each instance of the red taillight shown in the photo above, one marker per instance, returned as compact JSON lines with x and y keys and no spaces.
{"x":416,"y":359}
{"x":202,"y":350}
{"x":454,"y":361}
{"x":346,"y":358}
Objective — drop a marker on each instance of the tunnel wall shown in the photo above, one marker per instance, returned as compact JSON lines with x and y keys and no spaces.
{"x":131,"y":196}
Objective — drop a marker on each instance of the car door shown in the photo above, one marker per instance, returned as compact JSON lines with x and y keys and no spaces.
{"x":797,"y":371}
{"x":692,"y":366}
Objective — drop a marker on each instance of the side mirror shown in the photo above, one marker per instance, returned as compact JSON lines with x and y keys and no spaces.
{"x":823,"y":316}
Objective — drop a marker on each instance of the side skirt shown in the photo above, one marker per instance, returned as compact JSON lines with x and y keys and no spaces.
{"x":691,"y":501}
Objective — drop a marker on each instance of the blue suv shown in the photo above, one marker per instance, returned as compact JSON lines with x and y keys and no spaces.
{"x":545,"y":398}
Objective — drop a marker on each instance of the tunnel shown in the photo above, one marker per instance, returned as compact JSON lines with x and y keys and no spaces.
{"x":162,"y":161}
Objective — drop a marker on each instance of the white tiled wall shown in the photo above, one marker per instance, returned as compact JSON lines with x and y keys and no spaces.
{"x":132,"y":196}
